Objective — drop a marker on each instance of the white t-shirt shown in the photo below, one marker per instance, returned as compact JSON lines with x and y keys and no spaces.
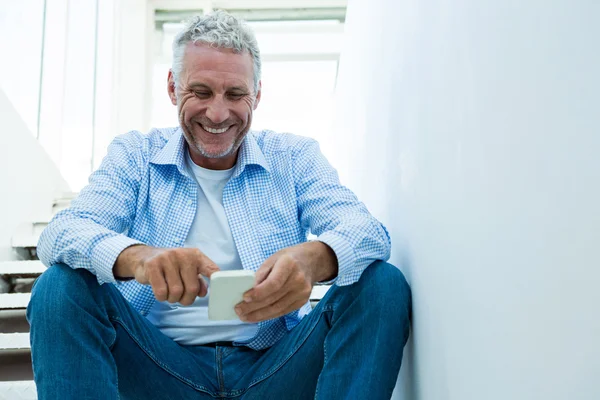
{"x":211,"y":234}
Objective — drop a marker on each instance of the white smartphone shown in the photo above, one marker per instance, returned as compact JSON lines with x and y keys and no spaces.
{"x":226,"y":290}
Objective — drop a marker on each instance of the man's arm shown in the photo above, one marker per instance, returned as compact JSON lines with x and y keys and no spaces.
{"x":334,"y":214}
{"x":89,"y":234}
{"x":285,"y":280}
{"x":349,"y":239}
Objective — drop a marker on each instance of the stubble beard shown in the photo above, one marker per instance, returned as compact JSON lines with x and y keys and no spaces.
{"x":199,"y":146}
{"x":188,"y":132}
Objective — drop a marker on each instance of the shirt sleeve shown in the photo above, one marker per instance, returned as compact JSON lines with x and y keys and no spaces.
{"x":333,"y":213}
{"x":91,"y":233}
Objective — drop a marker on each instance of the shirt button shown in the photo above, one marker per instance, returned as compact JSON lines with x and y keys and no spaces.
{"x":190,"y":202}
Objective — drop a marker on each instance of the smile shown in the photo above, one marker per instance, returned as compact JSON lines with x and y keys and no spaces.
{"x":211,"y":130}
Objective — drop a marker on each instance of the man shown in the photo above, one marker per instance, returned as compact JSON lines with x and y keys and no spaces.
{"x":122,"y":310}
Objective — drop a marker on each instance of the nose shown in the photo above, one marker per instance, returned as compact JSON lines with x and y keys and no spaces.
{"x":217,"y":110}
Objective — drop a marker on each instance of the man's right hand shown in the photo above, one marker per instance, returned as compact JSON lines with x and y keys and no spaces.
{"x":174,"y":274}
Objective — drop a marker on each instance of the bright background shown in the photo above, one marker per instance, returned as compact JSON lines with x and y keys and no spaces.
{"x":81,"y":72}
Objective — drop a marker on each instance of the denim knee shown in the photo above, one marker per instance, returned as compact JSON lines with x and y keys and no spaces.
{"x":56,"y":289}
{"x":386,"y":286}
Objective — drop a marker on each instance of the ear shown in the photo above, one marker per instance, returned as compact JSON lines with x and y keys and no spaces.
{"x":171,"y":88}
{"x":258,"y":94}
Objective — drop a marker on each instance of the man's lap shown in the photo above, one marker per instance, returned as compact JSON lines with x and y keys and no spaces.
{"x":151,"y":365}
{"x":150,"y":362}
{"x":290,"y":369}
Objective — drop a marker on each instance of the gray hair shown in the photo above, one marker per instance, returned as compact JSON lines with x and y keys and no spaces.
{"x":218,"y":29}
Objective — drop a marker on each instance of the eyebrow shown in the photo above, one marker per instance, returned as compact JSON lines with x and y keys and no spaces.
{"x":238,"y":88}
{"x":198,"y":85}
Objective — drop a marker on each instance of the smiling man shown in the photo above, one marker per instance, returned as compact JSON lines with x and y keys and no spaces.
{"x":216,"y":96}
{"x":122,"y":310}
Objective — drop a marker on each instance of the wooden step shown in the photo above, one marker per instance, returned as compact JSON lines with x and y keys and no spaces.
{"x":14,"y":301}
{"x":14,"y":341}
{"x":18,"y":390}
{"x":22,"y":269}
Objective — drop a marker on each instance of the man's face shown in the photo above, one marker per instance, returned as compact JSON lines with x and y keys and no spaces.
{"x":215,"y":100}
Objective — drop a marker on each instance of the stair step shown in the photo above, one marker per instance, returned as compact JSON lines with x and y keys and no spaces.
{"x":28,"y":234}
{"x":24,"y":269}
{"x":14,"y":301}
{"x":18,"y":390}
{"x":14,"y":341}
{"x":318,"y":292}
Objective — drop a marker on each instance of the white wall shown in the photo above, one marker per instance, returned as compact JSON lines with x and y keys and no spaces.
{"x":472,"y":129}
{"x":29,"y":180}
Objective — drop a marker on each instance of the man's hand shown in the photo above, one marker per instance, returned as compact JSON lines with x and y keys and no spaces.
{"x":174,"y":274}
{"x":285,"y":280}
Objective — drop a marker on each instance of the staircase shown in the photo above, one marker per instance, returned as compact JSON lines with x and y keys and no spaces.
{"x":16,"y":279}
{"x":16,"y":377}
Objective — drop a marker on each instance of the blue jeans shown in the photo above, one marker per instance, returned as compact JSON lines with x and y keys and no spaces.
{"x":87,"y":342}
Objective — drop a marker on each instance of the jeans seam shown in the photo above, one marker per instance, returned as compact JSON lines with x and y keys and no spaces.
{"x":110,"y":347}
{"x":324,"y":355}
{"x":117,"y":385}
{"x":158,"y":363}
{"x":218,"y":363}
{"x":114,"y":339}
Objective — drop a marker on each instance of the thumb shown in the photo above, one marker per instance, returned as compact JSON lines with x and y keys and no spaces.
{"x":140,"y":276}
{"x":264,"y":271}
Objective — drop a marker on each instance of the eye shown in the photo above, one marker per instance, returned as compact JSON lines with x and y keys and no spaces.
{"x":202,"y":94}
{"x":236,"y":96}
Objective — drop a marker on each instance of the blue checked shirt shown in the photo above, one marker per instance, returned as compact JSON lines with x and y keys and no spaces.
{"x":281,"y":189}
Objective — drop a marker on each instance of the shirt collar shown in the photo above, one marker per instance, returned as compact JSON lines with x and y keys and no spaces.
{"x":173,"y":153}
{"x":250,"y":153}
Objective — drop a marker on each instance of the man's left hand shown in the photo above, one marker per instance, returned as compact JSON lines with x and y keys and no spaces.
{"x":285,"y":280}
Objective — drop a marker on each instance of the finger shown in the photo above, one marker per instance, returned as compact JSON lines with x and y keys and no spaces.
{"x":191,"y":285}
{"x":174,"y":284}
{"x":248,"y":307}
{"x":142,"y":275}
{"x":265,"y":269}
{"x":276,"y":279}
{"x":282,"y":307}
{"x":158,"y":283}
{"x":296,"y":286}
{"x":205,"y":266}
{"x":203,"y":291}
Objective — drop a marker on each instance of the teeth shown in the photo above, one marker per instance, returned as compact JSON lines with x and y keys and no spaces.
{"x":211,"y":130}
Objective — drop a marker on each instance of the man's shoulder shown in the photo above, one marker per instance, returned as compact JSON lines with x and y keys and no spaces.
{"x":145,"y":143}
{"x":271,"y":142}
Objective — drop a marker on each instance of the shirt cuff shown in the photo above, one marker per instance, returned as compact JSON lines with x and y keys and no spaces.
{"x":345,"y":257}
{"x":105,"y":254}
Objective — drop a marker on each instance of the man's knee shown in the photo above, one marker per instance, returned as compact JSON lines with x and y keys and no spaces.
{"x":386,"y":286}
{"x":58,"y":287}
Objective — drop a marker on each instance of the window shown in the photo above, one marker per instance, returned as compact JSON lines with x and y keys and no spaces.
{"x":81,"y":72}
{"x":300,"y":63}
{"x":21,"y":30}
